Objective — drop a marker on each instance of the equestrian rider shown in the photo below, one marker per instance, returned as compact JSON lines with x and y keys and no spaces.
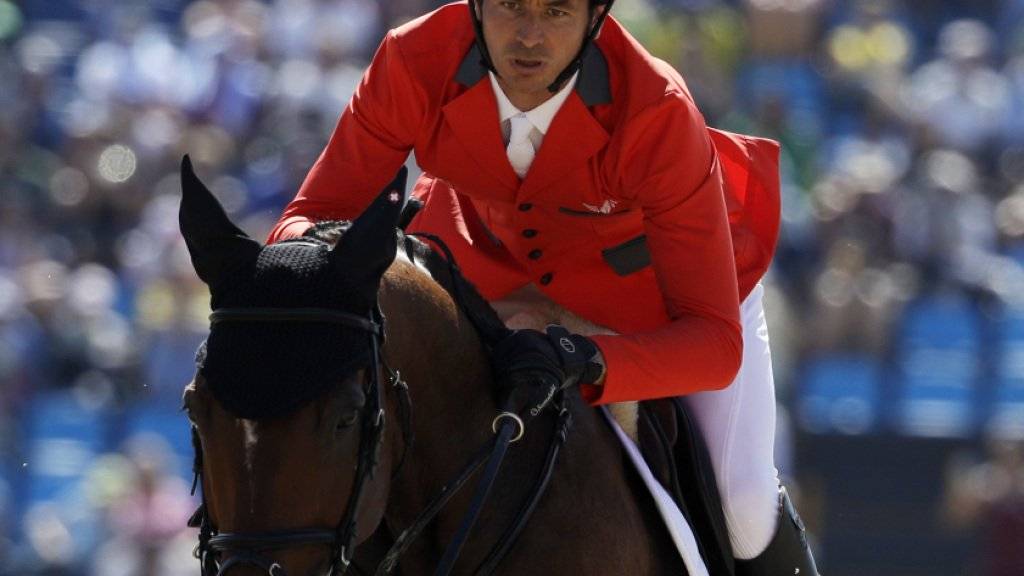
{"x":577,"y":165}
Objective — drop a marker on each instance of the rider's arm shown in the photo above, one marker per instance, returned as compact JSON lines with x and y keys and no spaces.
{"x":672,"y":169}
{"x":372,"y":139}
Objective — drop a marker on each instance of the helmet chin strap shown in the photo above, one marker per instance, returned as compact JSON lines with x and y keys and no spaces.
{"x":572,"y":68}
{"x":478,"y":26}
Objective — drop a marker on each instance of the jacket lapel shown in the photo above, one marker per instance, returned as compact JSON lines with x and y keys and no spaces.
{"x":473,"y":118}
{"x":573,"y":138}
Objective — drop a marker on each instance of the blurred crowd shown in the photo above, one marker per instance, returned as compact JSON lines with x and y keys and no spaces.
{"x":902,"y":124}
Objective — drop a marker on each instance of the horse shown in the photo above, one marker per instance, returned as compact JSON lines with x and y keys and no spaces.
{"x":343,"y":387}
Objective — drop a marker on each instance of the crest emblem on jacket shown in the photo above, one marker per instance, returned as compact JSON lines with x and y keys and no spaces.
{"x":605,"y":208}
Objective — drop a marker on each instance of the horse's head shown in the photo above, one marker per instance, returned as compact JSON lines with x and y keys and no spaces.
{"x":286,"y":404}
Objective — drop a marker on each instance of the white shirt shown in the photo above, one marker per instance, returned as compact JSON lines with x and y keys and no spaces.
{"x":541,"y":116}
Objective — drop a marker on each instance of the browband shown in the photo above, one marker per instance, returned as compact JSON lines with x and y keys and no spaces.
{"x":321,"y":315}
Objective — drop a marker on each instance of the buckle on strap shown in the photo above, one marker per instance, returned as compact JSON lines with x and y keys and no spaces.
{"x":515,"y":418}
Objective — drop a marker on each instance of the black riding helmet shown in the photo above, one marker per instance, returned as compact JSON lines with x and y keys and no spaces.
{"x":573,"y":66}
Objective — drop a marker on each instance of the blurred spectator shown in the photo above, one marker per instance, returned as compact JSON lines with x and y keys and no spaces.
{"x":944,"y":222}
{"x":146,"y":510}
{"x":990,"y":496}
{"x":853,"y":303}
{"x":960,"y":98}
{"x":869,"y":53}
{"x":783,"y":28}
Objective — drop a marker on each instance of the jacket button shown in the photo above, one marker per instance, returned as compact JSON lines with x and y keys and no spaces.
{"x":529,"y":233}
{"x":546,"y":279}
{"x":525,"y":207}
{"x":535,"y":255}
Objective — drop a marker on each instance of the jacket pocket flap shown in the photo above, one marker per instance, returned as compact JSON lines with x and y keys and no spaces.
{"x":628,"y":257}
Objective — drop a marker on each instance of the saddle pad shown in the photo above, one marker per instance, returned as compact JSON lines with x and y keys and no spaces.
{"x":677,"y":525}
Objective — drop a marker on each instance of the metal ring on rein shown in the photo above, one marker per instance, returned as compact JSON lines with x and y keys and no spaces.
{"x":516,"y":419}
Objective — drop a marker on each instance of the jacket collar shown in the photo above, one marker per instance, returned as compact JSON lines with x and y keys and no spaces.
{"x":593,"y":85}
{"x":541,"y":116}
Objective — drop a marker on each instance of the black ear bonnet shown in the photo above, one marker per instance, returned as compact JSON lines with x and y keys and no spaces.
{"x":261,"y":370}
{"x":268,"y":369}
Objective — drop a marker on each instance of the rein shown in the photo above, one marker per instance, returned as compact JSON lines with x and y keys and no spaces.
{"x":504,"y":544}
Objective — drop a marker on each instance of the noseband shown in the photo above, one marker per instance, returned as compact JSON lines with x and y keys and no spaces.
{"x":342,"y":538}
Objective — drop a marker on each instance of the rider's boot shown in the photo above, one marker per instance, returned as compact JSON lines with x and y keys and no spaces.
{"x":788,"y":554}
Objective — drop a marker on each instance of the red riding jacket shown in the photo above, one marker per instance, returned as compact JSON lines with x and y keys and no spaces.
{"x":634,"y":215}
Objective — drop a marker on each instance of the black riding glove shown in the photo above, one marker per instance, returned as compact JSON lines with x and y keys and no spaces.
{"x":530,"y":367}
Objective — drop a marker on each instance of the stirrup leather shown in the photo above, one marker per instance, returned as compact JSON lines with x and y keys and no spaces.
{"x":788,"y":554}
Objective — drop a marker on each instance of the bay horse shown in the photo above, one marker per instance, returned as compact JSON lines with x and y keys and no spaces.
{"x":311,"y":449}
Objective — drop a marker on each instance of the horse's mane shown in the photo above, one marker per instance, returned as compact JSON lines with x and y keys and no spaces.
{"x":443,"y":270}
{"x":329,"y":231}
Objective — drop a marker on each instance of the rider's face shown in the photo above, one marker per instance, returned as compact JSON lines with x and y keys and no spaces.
{"x":531,"y":42}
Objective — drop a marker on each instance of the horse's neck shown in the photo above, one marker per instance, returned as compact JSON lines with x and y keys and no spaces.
{"x":438,"y":352}
{"x":426,"y":329}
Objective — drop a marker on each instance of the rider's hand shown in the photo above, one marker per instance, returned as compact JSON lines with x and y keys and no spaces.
{"x":530,"y":367}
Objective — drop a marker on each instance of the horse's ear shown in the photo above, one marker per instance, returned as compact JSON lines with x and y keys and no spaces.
{"x":368,"y":247}
{"x":216,"y":245}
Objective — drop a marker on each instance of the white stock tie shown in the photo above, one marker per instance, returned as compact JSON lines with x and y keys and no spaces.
{"x":520,"y":148}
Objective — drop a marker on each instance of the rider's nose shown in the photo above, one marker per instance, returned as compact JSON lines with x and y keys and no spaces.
{"x":530,"y":33}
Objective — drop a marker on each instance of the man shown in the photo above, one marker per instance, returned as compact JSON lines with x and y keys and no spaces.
{"x":576,"y":165}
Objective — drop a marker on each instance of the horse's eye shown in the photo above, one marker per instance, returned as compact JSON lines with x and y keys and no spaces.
{"x":348,"y":419}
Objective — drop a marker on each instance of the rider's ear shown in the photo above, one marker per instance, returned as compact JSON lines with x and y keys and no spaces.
{"x":368,"y":247}
{"x":216,"y":245}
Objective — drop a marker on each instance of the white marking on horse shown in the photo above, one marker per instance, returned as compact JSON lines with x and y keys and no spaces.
{"x":250,"y":437}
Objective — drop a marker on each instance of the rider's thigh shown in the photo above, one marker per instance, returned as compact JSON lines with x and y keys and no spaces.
{"x":738,"y":424}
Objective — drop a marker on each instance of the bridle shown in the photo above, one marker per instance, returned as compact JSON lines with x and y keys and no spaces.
{"x":247,"y":547}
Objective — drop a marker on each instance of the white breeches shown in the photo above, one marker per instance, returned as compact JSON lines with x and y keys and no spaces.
{"x":738,"y":424}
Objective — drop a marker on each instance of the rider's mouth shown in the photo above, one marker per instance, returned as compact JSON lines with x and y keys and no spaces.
{"x":527,"y":65}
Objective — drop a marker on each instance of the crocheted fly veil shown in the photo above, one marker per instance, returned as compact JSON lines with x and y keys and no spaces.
{"x":264,"y":369}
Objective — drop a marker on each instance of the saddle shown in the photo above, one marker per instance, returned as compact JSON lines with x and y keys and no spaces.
{"x":674,"y":450}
